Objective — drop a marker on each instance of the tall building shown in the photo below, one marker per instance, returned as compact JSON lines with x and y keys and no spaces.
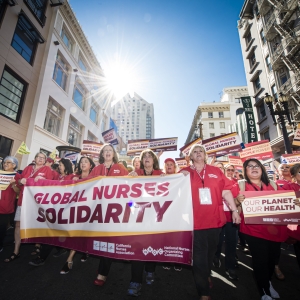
{"x":24,"y":35}
{"x":214,"y":118}
{"x":269,"y":34}
{"x":65,"y":102}
{"x":134,"y":118}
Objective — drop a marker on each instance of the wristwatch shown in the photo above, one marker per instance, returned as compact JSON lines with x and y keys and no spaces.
{"x":235,"y":210}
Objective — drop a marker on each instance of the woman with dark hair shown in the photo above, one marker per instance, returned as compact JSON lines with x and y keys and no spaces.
{"x":263,"y":240}
{"x":38,"y":170}
{"x":149,"y":166}
{"x":108,"y":159}
{"x":7,"y":197}
{"x":85,"y":166}
{"x":65,"y":170}
{"x":229,"y":232}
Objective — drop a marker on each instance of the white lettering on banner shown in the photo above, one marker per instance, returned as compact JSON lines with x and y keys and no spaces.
{"x":119,"y":204}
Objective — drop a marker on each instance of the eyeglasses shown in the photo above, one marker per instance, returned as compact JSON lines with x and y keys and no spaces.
{"x":253,"y":167}
{"x":7,"y":162}
{"x":41,"y":157}
{"x":230,"y":170}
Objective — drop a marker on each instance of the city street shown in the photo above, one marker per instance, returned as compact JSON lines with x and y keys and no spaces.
{"x":19,"y":280}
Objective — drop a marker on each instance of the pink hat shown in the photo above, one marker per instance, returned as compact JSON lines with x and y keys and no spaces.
{"x":169,"y":159}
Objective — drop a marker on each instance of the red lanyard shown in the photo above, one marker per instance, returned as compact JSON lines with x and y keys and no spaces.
{"x":202,"y":178}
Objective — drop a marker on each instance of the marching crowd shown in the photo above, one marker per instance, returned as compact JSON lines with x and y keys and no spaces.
{"x":217,"y":197}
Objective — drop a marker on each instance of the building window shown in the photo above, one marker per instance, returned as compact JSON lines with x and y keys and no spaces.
{"x":210,"y":115}
{"x":262,"y":111}
{"x":74,"y":132}
{"x":37,"y":7}
{"x":26,"y":38}
{"x":252,"y":60}
{"x":274,"y":91}
{"x":12,"y":93}
{"x":221,"y":114}
{"x":91,"y":137}
{"x":262,"y":36}
{"x":248,"y":38}
{"x":3,"y":5}
{"x":5,"y":146}
{"x":211,"y":125}
{"x":257,"y":85}
{"x":61,"y":72}
{"x":211,"y":135}
{"x":265,"y":135}
{"x":79,"y":95}
{"x":82,"y":63}
{"x":94,"y":113}
{"x":222,"y":124}
{"x":54,"y":117}
{"x":283,"y":78}
{"x":268,"y":63}
{"x":66,"y":37}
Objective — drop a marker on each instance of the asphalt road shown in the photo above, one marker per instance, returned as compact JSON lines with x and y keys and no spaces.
{"x":19,"y":280}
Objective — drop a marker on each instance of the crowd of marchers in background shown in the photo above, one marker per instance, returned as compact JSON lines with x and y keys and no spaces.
{"x":217,"y":196}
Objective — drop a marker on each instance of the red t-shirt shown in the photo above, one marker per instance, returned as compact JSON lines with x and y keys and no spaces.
{"x":28,"y":172}
{"x":276,"y":233}
{"x":140,"y":172}
{"x":208,"y":216}
{"x":114,"y":170}
{"x":58,"y":176}
{"x":282,"y":182}
{"x":7,"y":200}
{"x":235,"y":191}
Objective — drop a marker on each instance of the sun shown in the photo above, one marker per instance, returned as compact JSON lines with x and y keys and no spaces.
{"x":120,"y":79}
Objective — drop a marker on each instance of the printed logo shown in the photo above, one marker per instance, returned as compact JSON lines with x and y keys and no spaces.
{"x":116,"y":171}
{"x":111,"y":247}
{"x":103,"y":246}
{"x":96,"y":245}
{"x":153,"y":251}
{"x":212,"y":176}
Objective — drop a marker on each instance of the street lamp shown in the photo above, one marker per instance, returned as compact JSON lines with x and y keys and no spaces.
{"x":280,"y":108}
{"x":199,"y":127}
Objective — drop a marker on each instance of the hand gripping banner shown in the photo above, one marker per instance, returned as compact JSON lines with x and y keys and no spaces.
{"x":132,"y":218}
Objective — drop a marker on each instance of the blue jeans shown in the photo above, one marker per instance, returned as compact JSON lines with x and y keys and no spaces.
{"x":230,"y":231}
{"x":204,"y":249}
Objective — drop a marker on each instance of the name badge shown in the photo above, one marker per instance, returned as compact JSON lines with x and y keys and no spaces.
{"x":205,"y":196}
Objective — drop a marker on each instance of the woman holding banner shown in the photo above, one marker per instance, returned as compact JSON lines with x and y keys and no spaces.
{"x":108,"y":159}
{"x":209,"y":186}
{"x":263,"y":240}
{"x":294,"y":230}
{"x":85,"y":166}
{"x":7,"y":197}
{"x":149,"y":166}
{"x":65,"y":169}
{"x":37,"y":171}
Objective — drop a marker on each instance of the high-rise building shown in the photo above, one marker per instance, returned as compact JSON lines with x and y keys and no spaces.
{"x":53,"y":85}
{"x":269,"y":33}
{"x":134,"y":118}
{"x":214,"y":118}
{"x":24,"y":37}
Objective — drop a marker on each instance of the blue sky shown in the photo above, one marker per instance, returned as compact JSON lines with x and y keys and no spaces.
{"x":183,"y":52}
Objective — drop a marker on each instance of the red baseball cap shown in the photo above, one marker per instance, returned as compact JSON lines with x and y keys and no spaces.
{"x":169,"y":159}
{"x":50,"y":160}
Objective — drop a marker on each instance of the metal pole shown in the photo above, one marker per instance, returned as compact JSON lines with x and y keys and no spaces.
{"x":286,"y":140}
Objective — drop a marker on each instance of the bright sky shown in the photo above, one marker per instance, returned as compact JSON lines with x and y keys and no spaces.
{"x":181,"y":52}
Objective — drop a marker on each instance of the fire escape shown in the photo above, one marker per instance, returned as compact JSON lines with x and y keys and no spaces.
{"x":285,"y":52}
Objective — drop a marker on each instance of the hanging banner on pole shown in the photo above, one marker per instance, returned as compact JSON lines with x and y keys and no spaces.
{"x":128,"y":218}
{"x":251,"y":129}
